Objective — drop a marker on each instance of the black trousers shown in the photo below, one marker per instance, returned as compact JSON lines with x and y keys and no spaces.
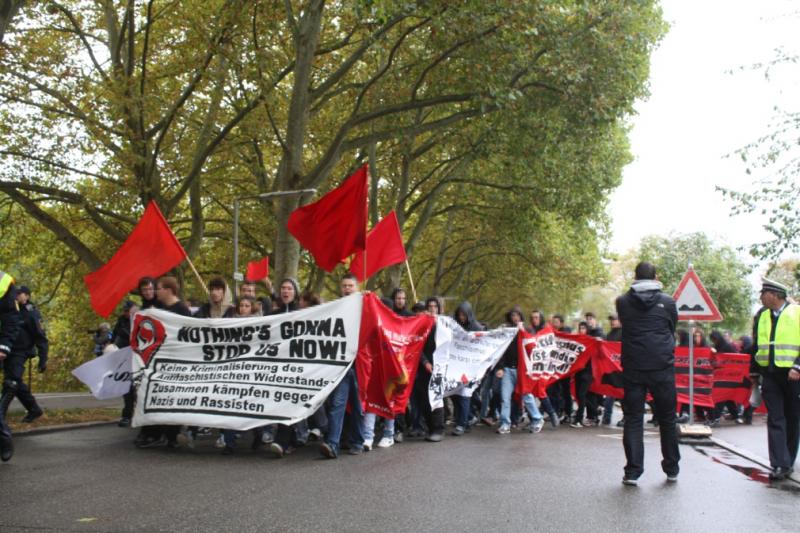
{"x":587,"y":401}
{"x":661,"y":384}
{"x":783,"y":417}
{"x":434,"y":418}
{"x":14,"y":368}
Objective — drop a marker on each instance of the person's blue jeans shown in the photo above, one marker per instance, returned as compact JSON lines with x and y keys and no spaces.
{"x":369,"y":427}
{"x":507,"y":384}
{"x":346,"y":391}
{"x":461,"y":404}
{"x":608,"y":409}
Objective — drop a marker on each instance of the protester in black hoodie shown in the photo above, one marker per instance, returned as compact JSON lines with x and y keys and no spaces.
{"x":648,"y":318}
{"x":466,"y":319}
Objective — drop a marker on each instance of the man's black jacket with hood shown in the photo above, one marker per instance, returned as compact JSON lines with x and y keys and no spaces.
{"x":648,"y":319}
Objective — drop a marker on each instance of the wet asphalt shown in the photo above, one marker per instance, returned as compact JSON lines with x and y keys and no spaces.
{"x":566,"y":480}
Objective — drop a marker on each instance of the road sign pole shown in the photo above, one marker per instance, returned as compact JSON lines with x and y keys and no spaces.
{"x":691,"y":372}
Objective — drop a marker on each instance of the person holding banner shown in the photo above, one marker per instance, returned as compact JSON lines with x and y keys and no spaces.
{"x":465,"y":317}
{"x":648,"y":318}
{"x":346,"y":392}
{"x":776,"y":330}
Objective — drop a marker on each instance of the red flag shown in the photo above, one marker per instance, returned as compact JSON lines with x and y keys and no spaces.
{"x":384,"y":248}
{"x":548,"y":356}
{"x":703,"y":376}
{"x":607,"y":370}
{"x":389,"y":348}
{"x":335,"y":226}
{"x":731,"y":378}
{"x":257,"y":270}
{"x":150,"y":250}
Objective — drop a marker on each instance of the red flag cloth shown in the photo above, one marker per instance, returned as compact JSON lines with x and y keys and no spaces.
{"x":150,"y":250}
{"x":384,"y":248}
{"x":731,"y":378}
{"x":389,"y":348}
{"x":257,"y":270}
{"x":335,"y":226}
{"x":548,"y":356}
{"x":607,"y":370}
{"x":703,"y":376}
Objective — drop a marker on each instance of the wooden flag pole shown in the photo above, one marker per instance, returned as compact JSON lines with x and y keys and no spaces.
{"x":196,"y":273}
{"x":411,"y":280}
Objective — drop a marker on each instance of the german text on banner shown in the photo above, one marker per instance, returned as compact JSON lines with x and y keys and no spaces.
{"x":547,"y":356}
{"x":703,"y":376}
{"x":241,"y":373}
{"x":462,"y":358}
{"x":107,"y":376}
{"x":388,"y":356}
{"x":731,"y":378}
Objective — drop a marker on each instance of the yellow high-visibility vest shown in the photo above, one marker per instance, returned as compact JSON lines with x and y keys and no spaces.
{"x":5,"y":282}
{"x":786,"y":343}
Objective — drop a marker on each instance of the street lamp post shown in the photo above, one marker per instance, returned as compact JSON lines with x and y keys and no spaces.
{"x":238,"y":276}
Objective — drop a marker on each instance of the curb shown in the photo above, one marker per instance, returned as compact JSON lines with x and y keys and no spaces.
{"x":63,"y":427}
{"x":750,"y":456}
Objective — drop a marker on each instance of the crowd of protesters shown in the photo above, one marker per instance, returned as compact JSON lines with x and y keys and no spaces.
{"x":342,"y":424}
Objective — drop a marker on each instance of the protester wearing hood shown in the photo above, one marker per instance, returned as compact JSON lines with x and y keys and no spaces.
{"x":537,"y":322}
{"x":219,"y":300}
{"x":288,"y":298}
{"x":648,"y":318}
{"x":465,"y":317}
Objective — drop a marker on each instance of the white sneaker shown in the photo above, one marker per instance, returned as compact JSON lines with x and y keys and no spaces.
{"x":220,"y":443}
{"x":267,"y":437}
{"x":386,"y":442}
{"x":185,"y":439}
{"x":367,"y":445}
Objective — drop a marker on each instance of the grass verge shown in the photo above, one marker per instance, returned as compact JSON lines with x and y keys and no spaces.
{"x":58,"y":417}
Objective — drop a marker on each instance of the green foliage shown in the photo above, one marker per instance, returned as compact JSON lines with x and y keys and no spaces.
{"x":723,"y":274}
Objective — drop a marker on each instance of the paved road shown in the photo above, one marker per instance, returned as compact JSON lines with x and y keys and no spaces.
{"x":564,"y":480}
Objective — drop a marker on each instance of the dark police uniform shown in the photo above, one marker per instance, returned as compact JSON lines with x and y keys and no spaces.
{"x":9,"y":328}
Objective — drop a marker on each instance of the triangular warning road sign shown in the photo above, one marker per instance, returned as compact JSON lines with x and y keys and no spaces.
{"x":693,"y":301}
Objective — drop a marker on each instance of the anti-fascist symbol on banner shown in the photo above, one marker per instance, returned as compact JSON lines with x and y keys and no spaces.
{"x":147,"y":337}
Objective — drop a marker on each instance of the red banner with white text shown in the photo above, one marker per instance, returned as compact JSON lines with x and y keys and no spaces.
{"x":389,"y":349}
{"x":547,"y":356}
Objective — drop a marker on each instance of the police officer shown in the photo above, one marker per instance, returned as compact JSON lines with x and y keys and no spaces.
{"x":31,"y":335}
{"x":9,"y":327}
{"x":776,"y":330}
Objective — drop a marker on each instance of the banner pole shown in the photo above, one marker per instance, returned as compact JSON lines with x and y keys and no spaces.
{"x":691,"y":372}
{"x":411,"y":280}
{"x":196,"y":273}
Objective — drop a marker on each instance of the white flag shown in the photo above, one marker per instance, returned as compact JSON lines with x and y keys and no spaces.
{"x":108,"y":376}
{"x":462,"y":358}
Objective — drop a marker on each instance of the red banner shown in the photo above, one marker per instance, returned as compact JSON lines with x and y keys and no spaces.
{"x":607,"y":370}
{"x":732,"y":378}
{"x":703,"y":376}
{"x":389,"y":348}
{"x":547,"y":356}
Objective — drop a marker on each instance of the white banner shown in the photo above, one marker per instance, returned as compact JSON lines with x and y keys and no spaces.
{"x":242,"y":373}
{"x":107,"y":376}
{"x":462,"y":358}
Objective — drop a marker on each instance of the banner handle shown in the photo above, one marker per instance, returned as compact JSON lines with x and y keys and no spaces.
{"x":411,"y":280}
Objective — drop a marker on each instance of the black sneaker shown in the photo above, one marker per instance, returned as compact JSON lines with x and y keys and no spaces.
{"x":434,"y":437}
{"x":629,"y":481}
{"x":124,"y":422}
{"x":326,"y":450}
{"x":32,"y":415}
{"x":6,"y":449}
{"x":152,"y":442}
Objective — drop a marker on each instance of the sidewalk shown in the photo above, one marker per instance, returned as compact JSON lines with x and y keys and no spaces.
{"x":68,"y":400}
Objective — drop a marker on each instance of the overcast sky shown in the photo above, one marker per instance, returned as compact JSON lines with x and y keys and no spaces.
{"x":698,"y":113}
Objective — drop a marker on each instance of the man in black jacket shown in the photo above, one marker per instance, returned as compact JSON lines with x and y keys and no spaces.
{"x":648,"y":318}
{"x":31,"y":341}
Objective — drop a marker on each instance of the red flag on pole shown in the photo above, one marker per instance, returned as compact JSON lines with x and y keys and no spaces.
{"x":150,"y":250}
{"x":384,"y":248}
{"x":257,"y":270}
{"x":335,"y":226}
